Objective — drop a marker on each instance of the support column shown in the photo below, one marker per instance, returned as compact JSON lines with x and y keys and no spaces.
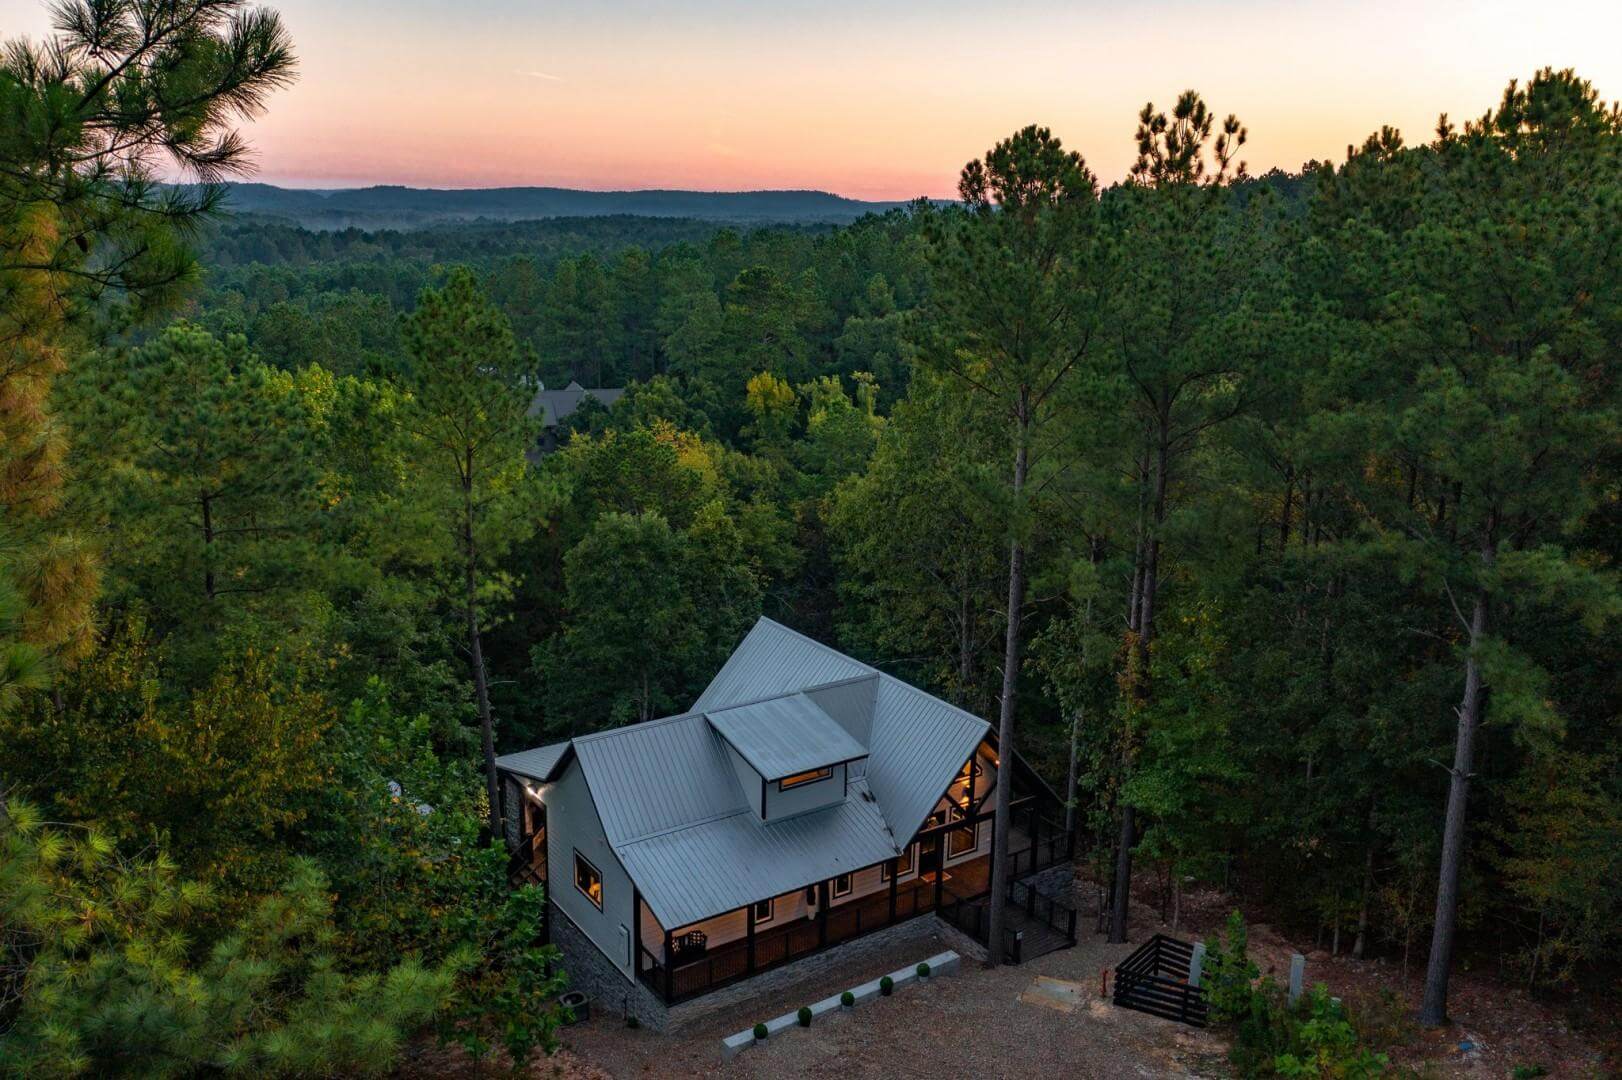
{"x":636,"y":932}
{"x":670,"y":969}
{"x":895,"y":877}
{"x":822,"y":914}
{"x":751,"y":910}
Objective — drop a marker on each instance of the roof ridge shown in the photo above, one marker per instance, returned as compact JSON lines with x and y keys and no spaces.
{"x":641,"y":725}
{"x":684,"y":825}
{"x":791,"y":693}
{"x":813,"y":641}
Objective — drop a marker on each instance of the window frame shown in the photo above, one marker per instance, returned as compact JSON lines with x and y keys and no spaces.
{"x":771,"y":910}
{"x":835,"y":892}
{"x":581,"y":860}
{"x":971,"y":830}
{"x":801,"y":779}
{"x":909,"y":853}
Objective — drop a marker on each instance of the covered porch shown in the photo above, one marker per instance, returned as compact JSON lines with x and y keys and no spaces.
{"x":947,"y":867}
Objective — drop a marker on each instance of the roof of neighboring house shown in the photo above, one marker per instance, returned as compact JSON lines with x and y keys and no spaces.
{"x":555,"y":406}
{"x":786,"y":735}
{"x":691,"y":838}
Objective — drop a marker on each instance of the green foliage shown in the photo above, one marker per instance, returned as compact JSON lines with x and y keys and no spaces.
{"x":847,"y":999}
{"x":886,"y":985}
{"x":761,"y":1032}
{"x":108,"y":977}
{"x":804,"y":1016}
{"x":1229,"y":974}
{"x":923,"y":971}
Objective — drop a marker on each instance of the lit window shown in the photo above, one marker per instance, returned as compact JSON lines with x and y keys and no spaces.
{"x":764,"y":911}
{"x":804,"y":778}
{"x":903,"y":864}
{"x":962,"y":841}
{"x":842,"y":885}
{"x":588,"y":880}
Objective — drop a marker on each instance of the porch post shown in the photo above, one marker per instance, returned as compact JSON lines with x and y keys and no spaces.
{"x":895,"y":874}
{"x":940,"y":867}
{"x":822,"y":914}
{"x":1036,"y":836}
{"x":670,"y":968}
{"x":751,"y":967}
{"x":636,"y":932}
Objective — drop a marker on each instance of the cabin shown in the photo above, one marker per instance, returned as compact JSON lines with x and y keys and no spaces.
{"x":553,"y":407}
{"x":804,"y":801}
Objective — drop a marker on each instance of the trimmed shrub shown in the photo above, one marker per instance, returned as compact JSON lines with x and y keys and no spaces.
{"x":847,"y":999}
{"x":886,"y":986}
{"x":761,"y":1032}
{"x":805,"y":1015}
{"x":923,"y":971}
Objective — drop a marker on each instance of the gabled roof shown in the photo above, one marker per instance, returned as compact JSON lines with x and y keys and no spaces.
{"x":537,"y":764}
{"x":689,"y":836}
{"x":555,"y":406}
{"x":786,"y":735}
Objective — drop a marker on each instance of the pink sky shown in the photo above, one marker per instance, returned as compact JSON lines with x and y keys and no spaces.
{"x":876,"y":100}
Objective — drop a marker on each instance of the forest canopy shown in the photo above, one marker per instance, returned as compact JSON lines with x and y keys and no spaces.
{"x":1274,"y":519}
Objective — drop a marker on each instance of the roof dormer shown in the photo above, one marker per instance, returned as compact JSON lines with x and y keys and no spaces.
{"x":791,"y":751}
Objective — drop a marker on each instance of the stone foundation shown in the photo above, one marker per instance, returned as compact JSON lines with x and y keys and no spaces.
{"x":592,"y":973}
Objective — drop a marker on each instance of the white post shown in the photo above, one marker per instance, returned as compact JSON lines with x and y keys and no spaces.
{"x":1298,"y":975}
{"x":1196,"y":964}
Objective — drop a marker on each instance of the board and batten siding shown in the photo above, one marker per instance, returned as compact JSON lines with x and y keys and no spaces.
{"x":573,"y":824}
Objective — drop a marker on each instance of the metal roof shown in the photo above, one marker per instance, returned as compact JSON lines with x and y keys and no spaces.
{"x":919,"y":743}
{"x":720,"y":865}
{"x":662,"y":775}
{"x":771,"y":661}
{"x":685,"y":831}
{"x":555,"y":406}
{"x":782,"y":736}
{"x":537,"y":764}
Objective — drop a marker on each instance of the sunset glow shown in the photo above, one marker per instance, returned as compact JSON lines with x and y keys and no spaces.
{"x":868,"y":100}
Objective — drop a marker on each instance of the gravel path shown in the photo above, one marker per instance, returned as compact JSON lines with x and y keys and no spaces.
{"x":969,"y":1025}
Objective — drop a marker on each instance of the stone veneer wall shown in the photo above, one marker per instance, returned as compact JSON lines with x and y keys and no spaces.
{"x":611,"y":993}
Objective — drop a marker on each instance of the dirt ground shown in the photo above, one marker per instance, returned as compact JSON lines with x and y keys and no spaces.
{"x":994,"y":1023}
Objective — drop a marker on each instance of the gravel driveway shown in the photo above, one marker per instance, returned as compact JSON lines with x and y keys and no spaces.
{"x":973,"y":1024}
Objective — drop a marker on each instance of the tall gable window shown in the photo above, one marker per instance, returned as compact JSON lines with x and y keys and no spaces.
{"x":803,"y":778}
{"x":588,"y":880}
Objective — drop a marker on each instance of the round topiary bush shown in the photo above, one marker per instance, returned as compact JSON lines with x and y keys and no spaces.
{"x":760,"y":1031}
{"x":923,"y":971}
{"x":805,"y":1015}
{"x":847,"y":999}
{"x":886,"y":986}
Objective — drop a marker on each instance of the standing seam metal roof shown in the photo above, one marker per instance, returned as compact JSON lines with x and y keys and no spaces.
{"x":782,"y":736}
{"x":689,"y":836}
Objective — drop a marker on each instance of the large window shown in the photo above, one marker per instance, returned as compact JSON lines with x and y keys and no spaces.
{"x":962,"y":841}
{"x":588,"y":880}
{"x":903,"y":864}
{"x":803,"y":778}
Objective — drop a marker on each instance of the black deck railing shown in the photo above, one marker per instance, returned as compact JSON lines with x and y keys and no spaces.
{"x":971,"y":912}
{"x":1154,"y":980}
{"x":689,"y":977}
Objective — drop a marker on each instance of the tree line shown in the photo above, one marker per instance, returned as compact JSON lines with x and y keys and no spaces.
{"x":1273,"y":519}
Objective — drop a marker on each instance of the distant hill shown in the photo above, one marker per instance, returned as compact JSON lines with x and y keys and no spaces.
{"x":406,"y":208}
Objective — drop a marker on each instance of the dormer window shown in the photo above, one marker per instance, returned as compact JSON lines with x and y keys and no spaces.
{"x":801,"y":779}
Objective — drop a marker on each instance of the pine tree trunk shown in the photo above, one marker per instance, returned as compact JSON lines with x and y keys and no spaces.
{"x":1433,"y":1012}
{"x":1070,"y":773}
{"x":475,"y":648}
{"x":1150,"y":547}
{"x":1005,"y":727}
{"x":1361,"y":941}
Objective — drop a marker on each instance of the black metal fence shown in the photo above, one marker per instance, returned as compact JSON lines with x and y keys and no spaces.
{"x":1154,"y":980}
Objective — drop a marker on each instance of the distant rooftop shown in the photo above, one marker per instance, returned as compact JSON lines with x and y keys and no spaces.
{"x":556,"y":406}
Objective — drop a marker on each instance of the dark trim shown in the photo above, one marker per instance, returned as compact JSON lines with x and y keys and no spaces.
{"x":636,"y":929}
{"x":816,"y":775}
{"x":847,"y":762}
{"x":575,"y":877}
{"x":763,"y":798}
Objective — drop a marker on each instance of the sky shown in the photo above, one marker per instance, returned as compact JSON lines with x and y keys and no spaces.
{"x":881,"y":100}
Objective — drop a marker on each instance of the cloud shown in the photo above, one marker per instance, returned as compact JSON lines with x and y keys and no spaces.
{"x":544,"y":75}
